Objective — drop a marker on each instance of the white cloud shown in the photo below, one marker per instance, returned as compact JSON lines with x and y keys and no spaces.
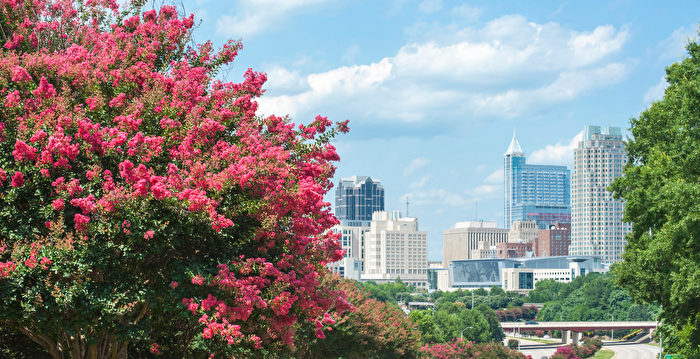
{"x":655,"y":92}
{"x":557,"y":154}
{"x":420,"y":183}
{"x":415,"y":165}
{"x":283,"y":80}
{"x":673,"y":47}
{"x":466,"y":12}
{"x":254,"y":16}
{"x":440,"y":197}
{"x":495,"y":177}
{"x":430,"y":6}
{"x":509,"y":67}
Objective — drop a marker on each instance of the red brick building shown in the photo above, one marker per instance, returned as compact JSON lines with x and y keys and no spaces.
{"x":513,"y":250}
{"x":554,"y":241}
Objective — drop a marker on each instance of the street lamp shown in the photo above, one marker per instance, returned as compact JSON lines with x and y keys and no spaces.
{"x":461,"y":335}
{"x":612,"y":331}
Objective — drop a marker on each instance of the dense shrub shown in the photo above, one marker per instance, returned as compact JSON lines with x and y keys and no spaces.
{"x":513,"y":343}
{"x":464,"y":349}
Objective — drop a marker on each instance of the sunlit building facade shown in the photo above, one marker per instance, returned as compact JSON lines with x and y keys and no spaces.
{"x":597,"y":227}
{"x":534,"y":192}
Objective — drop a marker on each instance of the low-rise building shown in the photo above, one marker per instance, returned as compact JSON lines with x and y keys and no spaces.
{"x":554,"y":241}
{"x":518,"y":274}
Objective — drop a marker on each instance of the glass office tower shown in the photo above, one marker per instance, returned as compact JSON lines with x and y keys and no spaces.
{"x":357,"y":197}
{"x":535,"y":192}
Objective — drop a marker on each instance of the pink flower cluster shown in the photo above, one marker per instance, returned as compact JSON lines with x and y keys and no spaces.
{"x":107,"y":119}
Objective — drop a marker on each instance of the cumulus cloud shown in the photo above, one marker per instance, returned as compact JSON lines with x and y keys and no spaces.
{"x":495,"y":177}
{"x":466,"y":12}
{"x":672,"y":48}
{"x":655,"y":92}
{"x":255,"y":16}
{"x":557,"y":154}
{"x":438,"y":196}
{"x":430,"y":6}
{"x":509,"y":67}
{"x":420,"y":183}
{"x":415,"y":165}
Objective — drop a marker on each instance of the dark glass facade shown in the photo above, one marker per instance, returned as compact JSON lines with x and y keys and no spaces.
{"x":356,"y":198}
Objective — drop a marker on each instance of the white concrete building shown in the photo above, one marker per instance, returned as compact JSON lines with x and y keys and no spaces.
{"x":395,"y":248}
{"x":596,"y":217}
{"x":353,"y":242}
{"x":462,"y":241}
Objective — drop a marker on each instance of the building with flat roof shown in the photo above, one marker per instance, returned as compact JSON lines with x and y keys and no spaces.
{"x":352,"y":239}
{"x":395,"y":248}
{"x":462,"y":241}
{"x":596,"y":217}
{"x":519,"y":274}
{"x":554,"y":241}
{"x":534,"y":192}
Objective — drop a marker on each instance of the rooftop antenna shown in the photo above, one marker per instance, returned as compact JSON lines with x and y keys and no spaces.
{"x":476,"y":211}
{"x":407,"y":207}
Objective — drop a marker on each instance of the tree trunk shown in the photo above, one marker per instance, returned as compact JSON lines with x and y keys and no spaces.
{"x":76,"y":347}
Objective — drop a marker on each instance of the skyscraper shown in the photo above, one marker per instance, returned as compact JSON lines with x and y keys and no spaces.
{"x":357,"y":197}
{"x":597,"y":227}
{"x":534,"y":192}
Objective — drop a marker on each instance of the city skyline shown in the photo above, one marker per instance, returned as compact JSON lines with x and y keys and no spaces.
{"x":433,"y":89}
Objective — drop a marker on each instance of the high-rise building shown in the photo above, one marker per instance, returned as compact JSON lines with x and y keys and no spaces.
{"x":596,"y":226}
{"x":462,"y":241}
{"x":352,"y":239}
{"x":534,"y":192}
{"x":357,"y":197}
{"x":395,"y":248}
{"x":554,"y":241}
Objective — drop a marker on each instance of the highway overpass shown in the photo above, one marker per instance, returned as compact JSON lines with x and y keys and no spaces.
{"x":571,"y":331}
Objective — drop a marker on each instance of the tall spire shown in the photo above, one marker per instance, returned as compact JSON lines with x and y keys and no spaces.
{"x":514,"y":148}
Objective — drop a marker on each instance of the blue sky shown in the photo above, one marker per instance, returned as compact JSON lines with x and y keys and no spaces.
{"x":433,"y":89}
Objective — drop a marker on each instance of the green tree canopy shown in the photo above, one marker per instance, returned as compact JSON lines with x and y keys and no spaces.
{"x":661,"y":189}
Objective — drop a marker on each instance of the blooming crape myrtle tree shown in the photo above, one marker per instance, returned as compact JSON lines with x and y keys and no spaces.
{"x":142,"y":200}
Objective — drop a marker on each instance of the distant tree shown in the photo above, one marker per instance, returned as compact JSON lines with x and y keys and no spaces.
{"x":495,"y":330}
{"x":545,"y":291}
{"x":661,"y":189}
{"x":426,"y":324}
{"x":495,"y":290}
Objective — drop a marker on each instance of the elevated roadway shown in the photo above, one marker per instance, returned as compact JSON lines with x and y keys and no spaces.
{"x":576,"y":326}
{"x":571,"y":331}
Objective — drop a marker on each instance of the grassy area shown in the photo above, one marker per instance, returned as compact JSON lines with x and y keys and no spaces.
{"x":604,"y":354}
{"x":539,"y":340}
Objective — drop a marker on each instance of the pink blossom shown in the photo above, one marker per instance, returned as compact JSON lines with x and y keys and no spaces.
{"x":18,"y":179}
{"x":58,"y":204}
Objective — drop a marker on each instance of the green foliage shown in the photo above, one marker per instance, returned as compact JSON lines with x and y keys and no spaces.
{"x":374,"y":329}
{"x":389,"y":292}
{"x":513,"y":343}
{"x":661,"y":188}
{"x":496,"y":298}
{"x":593,"y":297}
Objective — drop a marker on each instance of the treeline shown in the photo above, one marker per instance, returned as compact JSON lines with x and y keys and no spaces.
{"x":593,"y":297}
